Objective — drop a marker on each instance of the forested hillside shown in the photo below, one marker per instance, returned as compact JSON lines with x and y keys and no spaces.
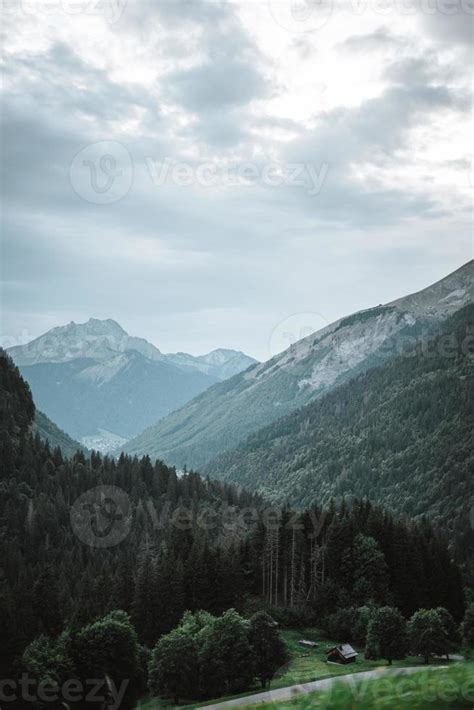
{"x":48,"y":431}
{"x":348,"y":556}
{"x":401,"y":435}
{"x":58,"y":570}
{"x":81,"y":537}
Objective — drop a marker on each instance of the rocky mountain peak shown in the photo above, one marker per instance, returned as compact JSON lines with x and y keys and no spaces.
{"x":96,"y":339}
{"x":442,"y":298}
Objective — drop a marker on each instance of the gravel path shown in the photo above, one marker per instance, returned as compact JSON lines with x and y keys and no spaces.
{"x":315,"y":685}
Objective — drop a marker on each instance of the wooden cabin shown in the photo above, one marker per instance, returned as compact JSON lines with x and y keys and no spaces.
{"x":342,"y":654}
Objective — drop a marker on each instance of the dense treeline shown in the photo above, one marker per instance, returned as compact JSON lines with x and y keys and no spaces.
{"x":350,"y":556}
{"x":52,"y":578}
{"x":401,"y":435}
{"x":207,"y":656}
{"x":154,"y":544}
{"x":178,"y":552}
{"x":204,"y":657}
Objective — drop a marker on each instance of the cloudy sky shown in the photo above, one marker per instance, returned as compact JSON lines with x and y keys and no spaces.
{"x":230,"y":174}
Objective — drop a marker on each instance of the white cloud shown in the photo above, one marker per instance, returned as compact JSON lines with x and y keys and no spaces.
{"x":381,"y":100}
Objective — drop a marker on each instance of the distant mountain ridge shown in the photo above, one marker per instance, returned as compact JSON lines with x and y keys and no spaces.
{"x":95,"y":339}
{"x":221,"y":363}
{"x":102,"y":340}
{"x":221,"y":417}
{"x":102,"y":386}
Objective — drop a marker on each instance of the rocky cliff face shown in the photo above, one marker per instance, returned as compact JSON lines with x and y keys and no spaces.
{"x":96,"y":339}
{"x":223,"y":415}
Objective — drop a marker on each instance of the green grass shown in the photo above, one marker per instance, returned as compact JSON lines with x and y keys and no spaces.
{"x":310,"y":664}
{"x":305,"y":665}
{"x":442,"y":689}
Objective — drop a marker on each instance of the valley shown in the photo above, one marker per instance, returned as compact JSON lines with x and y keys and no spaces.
{"x":236,"y":355}
{"x":103,"y":386}
{"x":225,"y":414}
{"x":222,"y":573}
{"x":347,"y":521}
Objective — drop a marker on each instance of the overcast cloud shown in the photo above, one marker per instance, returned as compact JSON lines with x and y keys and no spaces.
{"x":203,"y":171}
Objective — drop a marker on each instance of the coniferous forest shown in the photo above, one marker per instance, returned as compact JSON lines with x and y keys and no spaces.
{"x":84,"y":537}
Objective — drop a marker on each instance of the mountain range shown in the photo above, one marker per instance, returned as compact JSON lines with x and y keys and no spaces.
{"x":401,"y":433}
{"x":103,"y":386}
{"x":221,"y":417}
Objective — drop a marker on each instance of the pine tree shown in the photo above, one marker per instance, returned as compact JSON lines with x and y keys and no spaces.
{"x":143,"y":605}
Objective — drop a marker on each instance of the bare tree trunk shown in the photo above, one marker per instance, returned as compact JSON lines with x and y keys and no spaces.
{"x":263,"y":573}
{"x":271,"y":568}
{"x":293,"y":568}
{"x":302,"y":583}
{"x":277,"y":564}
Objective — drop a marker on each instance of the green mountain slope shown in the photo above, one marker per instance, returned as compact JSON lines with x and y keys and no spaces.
{"x":225,"y":414}
{"x":401,"y":434}
{"x":48,"y":431}
{"x":18,"y":414}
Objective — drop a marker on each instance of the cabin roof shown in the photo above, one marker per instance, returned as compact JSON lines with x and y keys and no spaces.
{"x":345,"y":650}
